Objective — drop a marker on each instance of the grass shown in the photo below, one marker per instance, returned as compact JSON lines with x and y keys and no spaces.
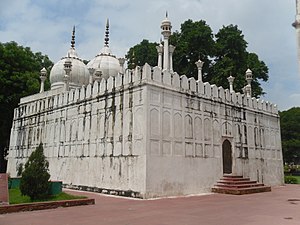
{"x":298,"y":179}
{"x":289,"y":178}
{"x":15,"y":197}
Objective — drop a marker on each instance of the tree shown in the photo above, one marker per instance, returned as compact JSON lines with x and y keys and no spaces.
{"x":232,"y":58}
{"x":193,"y":42}
{"x":290,"y":135}
{"x":223,"y":55}
{"x":35,"y":177}
{"x":19,"y":77}
{"x":144,"y":52}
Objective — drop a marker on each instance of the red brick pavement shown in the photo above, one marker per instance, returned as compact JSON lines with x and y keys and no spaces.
{"x":279,"y":207}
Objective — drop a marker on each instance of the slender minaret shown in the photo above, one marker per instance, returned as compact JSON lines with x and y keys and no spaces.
{"x":166,"y":32}
{"x":296,"y":24}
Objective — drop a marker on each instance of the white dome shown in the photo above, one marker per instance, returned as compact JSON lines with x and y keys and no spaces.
{"x":79,"y":74}
{"x":107,"y":63}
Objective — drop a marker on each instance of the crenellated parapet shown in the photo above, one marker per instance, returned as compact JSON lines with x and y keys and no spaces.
{"x":145,"y":75}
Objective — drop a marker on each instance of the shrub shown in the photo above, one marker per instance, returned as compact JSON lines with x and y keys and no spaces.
{"x":35,"y":177}
{"x":290,"y":180}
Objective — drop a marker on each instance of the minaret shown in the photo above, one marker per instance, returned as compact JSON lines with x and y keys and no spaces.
{"x":166,"y":32}
{"x":296,"y":24}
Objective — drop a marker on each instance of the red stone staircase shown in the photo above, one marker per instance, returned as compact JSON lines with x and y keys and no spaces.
{"x":238,"y":185}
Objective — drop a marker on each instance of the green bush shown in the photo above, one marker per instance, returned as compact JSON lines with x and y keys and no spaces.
{"x":35,"y":177}
{"x":290,"y":180}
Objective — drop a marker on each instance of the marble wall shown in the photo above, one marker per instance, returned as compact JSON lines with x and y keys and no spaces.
{"x":148,"y":133}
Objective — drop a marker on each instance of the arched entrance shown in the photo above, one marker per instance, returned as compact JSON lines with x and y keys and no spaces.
{"x":227,"y":157}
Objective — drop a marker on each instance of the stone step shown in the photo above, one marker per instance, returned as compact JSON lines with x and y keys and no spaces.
{"x":232,"y":176}
{"x":239,"y":185}
{"x":235,"y":179}
{"x":238,"y":191}
{"x":236,"y":182}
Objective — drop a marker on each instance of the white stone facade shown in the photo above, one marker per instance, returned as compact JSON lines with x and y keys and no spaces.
{"x":148,"y":133}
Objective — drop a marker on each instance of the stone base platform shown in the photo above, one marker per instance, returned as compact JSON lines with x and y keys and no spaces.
{"x":238,"y":185}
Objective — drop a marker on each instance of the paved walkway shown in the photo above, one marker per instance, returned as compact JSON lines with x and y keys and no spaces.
{"x":279,"y":207}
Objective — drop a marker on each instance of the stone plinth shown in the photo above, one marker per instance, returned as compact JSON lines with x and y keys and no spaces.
{"x":4,"y":189}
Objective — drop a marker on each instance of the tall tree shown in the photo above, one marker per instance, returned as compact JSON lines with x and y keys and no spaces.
{"x":232,"y":58}
{"x":290,"y":135}
{"x":193,"y":42}
{"x":224,"y":54}
{"x":144,"y":52}
{"x":19,"y":77}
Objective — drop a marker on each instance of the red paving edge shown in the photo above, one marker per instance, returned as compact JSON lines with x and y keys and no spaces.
{"x":45,"y":205}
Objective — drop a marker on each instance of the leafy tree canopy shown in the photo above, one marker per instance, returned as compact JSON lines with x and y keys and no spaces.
{"x":223,"y":54}
{"x":19,"y":77}
{"x":232,"y":58}
{"x":194,"y":42}
{"x":290,"y":135}
{"x":144,"y":52}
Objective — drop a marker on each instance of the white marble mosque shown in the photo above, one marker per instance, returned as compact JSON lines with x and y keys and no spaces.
{"x":146,"y":132}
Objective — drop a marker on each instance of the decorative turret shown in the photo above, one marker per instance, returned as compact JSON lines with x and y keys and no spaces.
{"x":91,"y":71}
{"x":249,"y":78}
{"x":199,"y":65}
{"x":122,"y":62}
{"x":171,"y":51}
{"x":160,"y":50}
{"x":43,"y":77}
{"x":67,"y":68}
{"x":98,"y":74}
{"x":230,"y":81}
{"x":166,"y":32}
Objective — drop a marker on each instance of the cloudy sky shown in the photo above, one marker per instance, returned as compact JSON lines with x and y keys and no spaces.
{"x":46,"y":26}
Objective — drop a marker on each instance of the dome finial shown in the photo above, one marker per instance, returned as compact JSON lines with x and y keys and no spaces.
{"x":106,"y":39}
{"x":166,"y":14}
{"x":73,"y":38}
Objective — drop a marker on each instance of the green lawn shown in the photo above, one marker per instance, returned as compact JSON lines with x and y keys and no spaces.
{"x":298,"y":179}
{"x":15,"y":197}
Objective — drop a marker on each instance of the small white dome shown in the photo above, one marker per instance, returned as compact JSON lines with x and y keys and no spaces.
{"x":107,"y":63}
{"x":79,"y":74}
